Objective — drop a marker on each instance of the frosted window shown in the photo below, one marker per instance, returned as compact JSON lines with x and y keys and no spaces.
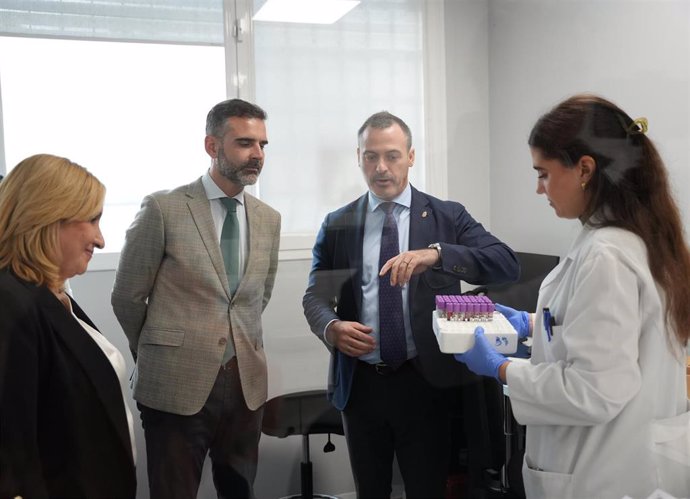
{"x":132,"y":114}
{"x":318,"y":84}
{"x":176,"y":21}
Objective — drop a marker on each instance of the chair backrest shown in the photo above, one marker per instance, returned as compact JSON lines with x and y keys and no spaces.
{"x":523,"y":294}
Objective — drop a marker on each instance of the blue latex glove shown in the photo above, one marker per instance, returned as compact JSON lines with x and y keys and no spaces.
{"x":481,"y":359}
{"x":517,"y":318}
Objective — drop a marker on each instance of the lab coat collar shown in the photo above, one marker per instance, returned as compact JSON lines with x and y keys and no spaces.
{"x":567,"y":260}
{"x":584,"y":234}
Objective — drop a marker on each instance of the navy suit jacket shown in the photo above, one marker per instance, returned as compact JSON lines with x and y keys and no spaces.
{"x":63,"y":426}
{"x":470,"y":254}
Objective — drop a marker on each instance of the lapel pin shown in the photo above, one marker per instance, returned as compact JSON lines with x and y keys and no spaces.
{"x":424,"y":214}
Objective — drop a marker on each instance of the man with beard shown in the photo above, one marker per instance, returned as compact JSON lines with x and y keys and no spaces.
{"x":195,"y":274}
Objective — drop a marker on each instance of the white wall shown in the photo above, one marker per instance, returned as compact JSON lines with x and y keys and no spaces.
{"x":635,"y":53}
{"x":467,"y":90}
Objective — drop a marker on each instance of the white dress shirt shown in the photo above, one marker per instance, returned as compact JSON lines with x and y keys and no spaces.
{"x":218,"y":212}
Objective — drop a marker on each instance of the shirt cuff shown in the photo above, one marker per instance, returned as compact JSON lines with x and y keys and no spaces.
{"x":325,"y":337}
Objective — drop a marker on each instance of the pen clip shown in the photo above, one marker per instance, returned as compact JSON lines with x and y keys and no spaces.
{"x":548,"y":323}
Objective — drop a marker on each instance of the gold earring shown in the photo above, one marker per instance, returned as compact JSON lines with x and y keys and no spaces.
{"x":583,"y":185}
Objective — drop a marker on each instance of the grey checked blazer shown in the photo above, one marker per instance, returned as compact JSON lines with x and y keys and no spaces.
{"x":171,"y":298}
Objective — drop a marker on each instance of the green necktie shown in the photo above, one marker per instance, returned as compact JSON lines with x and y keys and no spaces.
{"x":230,"y":243}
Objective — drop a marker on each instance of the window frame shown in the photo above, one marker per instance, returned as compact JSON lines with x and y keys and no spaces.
{"x":239,"y":53}
{"x":240,"y":82}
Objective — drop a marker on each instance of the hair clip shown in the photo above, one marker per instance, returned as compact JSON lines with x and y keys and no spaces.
{"x":638,"y":126}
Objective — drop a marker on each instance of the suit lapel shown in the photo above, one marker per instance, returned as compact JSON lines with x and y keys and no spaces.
{"x":422,"y":231}
{"x":355,"y":237}
{"x":255,"y":218}
{"x":91,"y":358}
{"x":200,"y":210}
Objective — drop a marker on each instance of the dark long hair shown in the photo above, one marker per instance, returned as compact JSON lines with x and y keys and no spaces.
{"x":629,"y":188}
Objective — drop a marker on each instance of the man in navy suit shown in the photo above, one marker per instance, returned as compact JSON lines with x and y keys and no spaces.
{"x":402,"y":408}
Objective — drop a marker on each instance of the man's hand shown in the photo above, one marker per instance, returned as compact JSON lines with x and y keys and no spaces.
{"x":351,"y":338}
{"x":403,"y":266}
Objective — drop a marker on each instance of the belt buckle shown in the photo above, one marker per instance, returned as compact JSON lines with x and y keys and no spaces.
{"x":382,"y":368}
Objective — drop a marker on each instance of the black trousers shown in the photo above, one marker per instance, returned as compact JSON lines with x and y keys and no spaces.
{"x":225,"y":428}
{"x":399,"y":414}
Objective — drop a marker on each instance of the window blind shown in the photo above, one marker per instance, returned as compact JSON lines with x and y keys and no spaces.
{"x":198,"y":22}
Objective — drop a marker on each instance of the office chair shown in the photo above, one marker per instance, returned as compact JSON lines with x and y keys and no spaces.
{"x":303,"y":413}
{"x":520,"y":295}
{"x":523,"y":294}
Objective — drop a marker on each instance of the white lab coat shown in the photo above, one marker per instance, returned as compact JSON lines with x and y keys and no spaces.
{"x":604,"y":400}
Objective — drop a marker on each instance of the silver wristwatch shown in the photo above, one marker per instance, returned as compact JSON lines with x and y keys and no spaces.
{"x":437,"y":247}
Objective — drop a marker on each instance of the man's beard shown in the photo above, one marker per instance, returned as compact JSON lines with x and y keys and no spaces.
{"x":235,"y":173}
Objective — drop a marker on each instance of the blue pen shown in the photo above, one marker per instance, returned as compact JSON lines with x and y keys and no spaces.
{"x":549,"y":322}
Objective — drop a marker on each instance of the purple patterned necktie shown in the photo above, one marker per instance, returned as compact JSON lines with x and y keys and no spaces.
{"x":391,"y":326}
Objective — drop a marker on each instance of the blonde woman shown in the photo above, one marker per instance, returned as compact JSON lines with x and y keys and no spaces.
{"x":65,"y":430}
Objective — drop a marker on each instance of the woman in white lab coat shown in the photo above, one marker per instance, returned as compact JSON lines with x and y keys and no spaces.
{"x":604,"y":397}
